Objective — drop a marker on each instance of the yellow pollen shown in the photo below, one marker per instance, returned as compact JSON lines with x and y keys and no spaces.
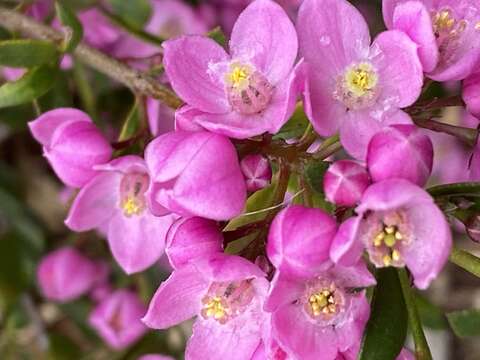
{"x":387,"y":260}
{"x":443,"y":21}
{"x":131,"y":207}
{"x":322,"y":302}
{"x":361,"y":79}
{"x":214,"y":308}
{"x":238,"y":76}
{"x":395,"y":255}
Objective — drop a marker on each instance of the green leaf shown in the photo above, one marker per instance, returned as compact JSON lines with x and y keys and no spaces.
{"x":431,"y":315}
{"x":27,"y":53}
{"x":257,"y":201}
{"x":387,"y":328}
{"x":30,"y":86}
{"x":134,"y":12}
{"x":465,"y":323}
{"x":218,"y":36}
{"x":314,"y":173}
{"x":295,"y":127}
{"x":72,"y":27}
{"x":131,"y":124}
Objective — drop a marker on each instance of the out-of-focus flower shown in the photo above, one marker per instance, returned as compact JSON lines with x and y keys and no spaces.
{"x":155,"y":357}
{"x":251,"y":91}
{"x":72,"y":144}
{"x":226,"y":293}
{"x":344,"y":182}
{"x":65,"y":274}
{"x":355,"y":86}
{"x":257,"y":172}
{"x":400,"y":151}
{"x":116,"y":197}
{"x":117,"y":319}
{"x":195,"y":174}
{"x":446,"y":32}
{"x":471,"y":93}
{"x":399,"y":225}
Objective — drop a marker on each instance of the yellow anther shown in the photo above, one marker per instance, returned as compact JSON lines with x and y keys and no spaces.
{"x":131,"y":207}
{"x":322,"y":302}
{"x":238,"y":76}
{"x":379,"y":239}
{"x":396,"y":255}
{"x":360,"y":79}
{"x":390,"y":240}
{"x":398,"y":235}
{"x":214,"y":308}
{"x":387,"y":260}
{"x":443,"y":21}
{"x":390,"y":229}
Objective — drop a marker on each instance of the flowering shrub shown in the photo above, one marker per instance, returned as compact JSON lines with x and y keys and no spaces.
{"x":286,"y":182}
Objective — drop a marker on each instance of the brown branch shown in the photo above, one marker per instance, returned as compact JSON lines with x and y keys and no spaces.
{"x":137,"y":81}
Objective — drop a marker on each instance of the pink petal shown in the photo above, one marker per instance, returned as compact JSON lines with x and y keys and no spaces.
{"x":265,"y":36}
{"x":95,"y":203}
{"x":283,"y":290}
{"x":346,"y":248}
{"x":187,"y":63}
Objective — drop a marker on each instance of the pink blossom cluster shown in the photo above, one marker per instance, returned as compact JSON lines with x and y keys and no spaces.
{"x":301,"y":292}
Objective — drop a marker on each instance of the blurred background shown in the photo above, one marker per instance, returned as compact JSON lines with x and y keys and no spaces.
{"x":34,"y":203}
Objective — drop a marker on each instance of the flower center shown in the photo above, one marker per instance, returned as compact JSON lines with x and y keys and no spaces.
{"x":324,"y":300}
{"x":132,"y":194}
{"x":387,"y":244}
{"x":249,"y":91}
{"x":225,"y":301}
{"x":357,"y":87}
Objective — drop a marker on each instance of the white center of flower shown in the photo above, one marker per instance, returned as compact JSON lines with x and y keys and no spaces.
{"x":248,"y":90}
{"x":132,"y":194}
{"x":357,"y":87}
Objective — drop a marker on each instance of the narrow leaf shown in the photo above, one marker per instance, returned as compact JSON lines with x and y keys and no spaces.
{"x":218,"y":36}
{"x":27,"y":53}
{"x":387,"y":328}
{"x":32,"y":85}
{"x":72,"y":27}
{"x":465,"y":323}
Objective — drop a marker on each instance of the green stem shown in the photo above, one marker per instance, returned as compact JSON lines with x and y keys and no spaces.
{"x":465,"y":188}
{"x":422,"y":351}
{"x":85,"y":91}
{"x":466,"y":261}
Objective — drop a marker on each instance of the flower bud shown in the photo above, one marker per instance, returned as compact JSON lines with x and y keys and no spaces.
{"x":117,"y":319}
{"x":192,"y":238}
{"x":65,"y":274}
{"x":471,"y":93}
{"x":257,"y":172}
{"x":72,"y":144}
{"x":400,"y":151}
{"x":344,"y":182}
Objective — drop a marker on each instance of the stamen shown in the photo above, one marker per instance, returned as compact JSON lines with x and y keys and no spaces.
{"x":357,"y":88}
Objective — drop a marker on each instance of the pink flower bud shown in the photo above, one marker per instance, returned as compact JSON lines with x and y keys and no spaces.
{"x":400,"y":151}
{"x":193,"y":238}
{"x":65,"y":274}
{"x":257,"y":172}
{"x":72,"y":144}
{"x":344,"y":182}
{"x":117,"y":319}
{"x":471,"y":93}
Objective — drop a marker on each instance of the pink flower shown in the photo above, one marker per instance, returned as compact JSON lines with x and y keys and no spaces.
{"x":195,"y":174}
{"x":399,"y":225}
{"x":65,"y":274}
{"x":257,"y":172}
{"x":99,"y":32}
{"x":446,"y":32}
{"x":354,"y":86}
{"x":161,"y":119}
{"x":155,"y":357}
{"x":117,"y":319}
{"x":226,"y":294}
{"x":400,"y":151}
{"x":192,"y":239}
{"x":251,"y":91}
{"x":116,"y":199}
{"x":344,"y":182}
{"x":72,"y":144}
{"x":471,"y":93}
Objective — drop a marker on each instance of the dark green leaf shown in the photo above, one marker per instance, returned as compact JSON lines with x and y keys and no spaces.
{"x":218,"y":36}
{"x":314,"y":172}
{"x":30,"y":86}
{"x":387,"y":328}
{"x":26,"y":53}
{"x":134,"y":12}
{"x":131,"y":124}
{"x":72,"y":27}
{"x":465,"y":323}
{"x":295,"y":127}
{"x":431,"y":315}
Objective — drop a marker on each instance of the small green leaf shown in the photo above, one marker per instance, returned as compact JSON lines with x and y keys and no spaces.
{"x":30,"y":86}
{"x":72,"y":27}
{"x":24,"y":53}
{"x":134,"y":12}
{"x":314,"y":173}
{"x":131,"y":124}
{"x":295,"y":127}
{"x":387,"y":328}
{"x":257,"y":201}
{"x":465,"y":323}
{"x":431,"y":315}
{"x":218,"y":36}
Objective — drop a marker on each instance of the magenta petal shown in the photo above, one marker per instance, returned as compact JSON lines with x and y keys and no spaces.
{"x":265,"y":36}
{"x":177,"y":299}
{"x":228,"y":268}
{"x":283,"y":291}
{"x":185,"y":119}
{"x":95,"y":203}
{"x":429,"y":251}
{"x":137,"y":242}
{"x":44,"y":126}
{"x":397,"y":51}
{"x":357,"y":131}
{"x":188,"y":62}
{"x":302,"y":338}
{"x":236,"y":340}
{"x":350,"y":333}
{"x":354,"y":276}
{"x":346,"y":248}
{"x":414,"y":19}
{"x":471,"y":93}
